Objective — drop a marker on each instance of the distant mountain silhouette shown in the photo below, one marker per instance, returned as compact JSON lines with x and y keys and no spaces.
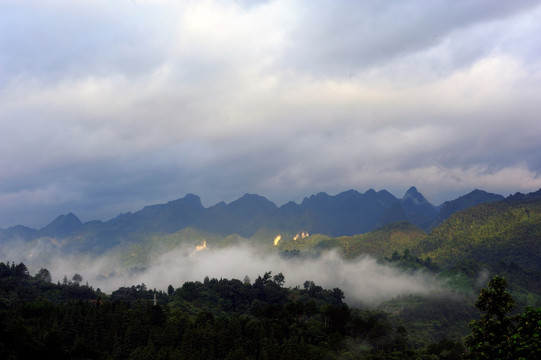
{"x":418,"y":210}
{"x":347,"y":213}
{"x":62,"y":226}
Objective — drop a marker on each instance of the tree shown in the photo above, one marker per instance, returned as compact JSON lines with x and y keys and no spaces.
{"x":337,"y":294}
{"x":77,"y":278}
{"x":20,"y":270}
{"x":491,"y":333}
{"x":407,"y":254}
{"x":525,"y":343}
{"x":44,"y":275}
{"x":279,"y":279}
{"x":307,"y":284}
{"x":170,"y":290}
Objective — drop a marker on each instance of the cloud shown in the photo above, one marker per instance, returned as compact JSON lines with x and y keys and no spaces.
{"x":351,"y":35}
{"x":363,"y":280}
{"x":120,"y":104}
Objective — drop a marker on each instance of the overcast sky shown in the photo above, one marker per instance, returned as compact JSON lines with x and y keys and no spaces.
{"x":110,"y":105}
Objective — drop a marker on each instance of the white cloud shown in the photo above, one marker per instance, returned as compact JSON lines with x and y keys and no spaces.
{"x":283,"y":98}
{"x":363,"y":280}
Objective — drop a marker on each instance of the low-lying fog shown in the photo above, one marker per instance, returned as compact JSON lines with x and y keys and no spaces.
{"x":363,"y":280}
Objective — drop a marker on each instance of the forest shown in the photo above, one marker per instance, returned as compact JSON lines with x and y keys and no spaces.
{"x":485,"y":257}
{"x":237,"y":319}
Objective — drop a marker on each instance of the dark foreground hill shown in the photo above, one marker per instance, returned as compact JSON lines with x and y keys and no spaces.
{"x":233,"y":319}
{"x":213,"y":319}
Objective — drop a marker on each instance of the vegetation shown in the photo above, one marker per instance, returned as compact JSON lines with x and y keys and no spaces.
{"x":241,"y":319}
{"x":497,"y":334}
{"x":506,"y":230}
{"x":213,"y":319}
{"x":230,"y":319}
{"x":382,"y":242}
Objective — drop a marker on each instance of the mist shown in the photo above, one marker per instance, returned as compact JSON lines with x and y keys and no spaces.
{"x":363,"y":280}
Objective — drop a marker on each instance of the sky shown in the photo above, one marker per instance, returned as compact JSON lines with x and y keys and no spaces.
{"x":107,"y":106}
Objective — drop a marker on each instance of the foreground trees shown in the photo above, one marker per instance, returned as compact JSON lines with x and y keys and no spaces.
{"x":233,"y":319}
{"x":497,"y":334}
{"x":214,"y":319}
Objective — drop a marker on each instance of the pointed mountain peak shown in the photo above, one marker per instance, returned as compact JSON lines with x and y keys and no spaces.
{"x":415,"y":197}
{"x":252,"y":200}
{"x":221,"y":204}
{"x":252,"y":196}
{"x":62,"y":220}
{"x":349,"y":194}
{"x":411,"y":191}
{"x":62,"y":226}
{"x":313,"y":199}
{"x":190,"y":200}
{"x":192,"y":197}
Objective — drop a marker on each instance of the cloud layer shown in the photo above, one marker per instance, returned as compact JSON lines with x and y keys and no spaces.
{"x":363,"y":280}
{"x":107,"y":106}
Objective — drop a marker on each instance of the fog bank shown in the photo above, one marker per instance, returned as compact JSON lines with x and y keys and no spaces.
{"x":363,"y":280}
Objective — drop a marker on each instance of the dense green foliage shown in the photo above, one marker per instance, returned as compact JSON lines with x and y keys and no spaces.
{"x":230,"y":319}
{"x":384,"y":241}
{"x":213,"y":319}
{"x":499,"y":335}
{"x":507,"y":231}
{"x":489,"y":334}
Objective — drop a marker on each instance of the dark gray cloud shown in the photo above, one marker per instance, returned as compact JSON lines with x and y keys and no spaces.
{"x":345,"y":36}
{"x":106,"y":106}
{"x":55,"y":40}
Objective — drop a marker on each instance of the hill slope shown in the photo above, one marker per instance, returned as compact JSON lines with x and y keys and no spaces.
{"x":508,"y":230}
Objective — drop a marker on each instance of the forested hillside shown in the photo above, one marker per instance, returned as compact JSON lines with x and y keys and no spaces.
{"x":507,"y":231}
{"x":213,"y":319}
{"x":234,"y":319}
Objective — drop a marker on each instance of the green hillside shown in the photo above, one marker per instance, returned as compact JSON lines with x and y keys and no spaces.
{"x":380,"y":243}
{"x":384,"y":241}
{"x":508,"y":231}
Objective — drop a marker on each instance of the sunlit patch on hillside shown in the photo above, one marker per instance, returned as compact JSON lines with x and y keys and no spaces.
{"x":200,"y":247}
{"x":301,"y":235}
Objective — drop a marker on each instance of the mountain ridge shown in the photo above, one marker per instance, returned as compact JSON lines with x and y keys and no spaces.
{"x":345,"y":214}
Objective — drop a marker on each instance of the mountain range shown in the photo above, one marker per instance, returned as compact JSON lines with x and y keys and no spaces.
{"x":460,"y":245}
{"x":345,"y":214}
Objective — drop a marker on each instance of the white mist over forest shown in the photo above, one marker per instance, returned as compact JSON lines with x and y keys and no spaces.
{"x":363,"y":279}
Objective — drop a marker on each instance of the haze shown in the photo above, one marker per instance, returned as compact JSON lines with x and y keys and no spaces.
{"x":363,"y":280}
{"x":107,"y":106}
